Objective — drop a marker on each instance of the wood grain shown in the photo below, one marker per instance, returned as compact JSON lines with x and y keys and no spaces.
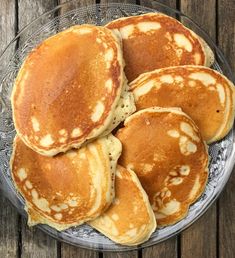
{"x":226,"y":211}
{"x":226,"y":30}
{"x":8,"y":215}
{"x":8,"y":23}
{"x":30,"y":10}
{"x":118,"y":1}
{"x":68,"y":251}
{"x":151,"y":4}
{"x":202,"y":12}
{"x":200,"y":239}
{"x":75,"y":4}
{"x":163,"y":9}
{"x":8,"y":229}
{"x":34,"y":242}
{"x":226,"y":236}
{"x":166,"y":249}
{"x":133,"y":254}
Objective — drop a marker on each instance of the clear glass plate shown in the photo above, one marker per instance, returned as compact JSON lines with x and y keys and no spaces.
{"x":222,"y":153}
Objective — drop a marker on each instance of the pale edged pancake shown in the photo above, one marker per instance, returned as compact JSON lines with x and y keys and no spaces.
{"x":207,"y":96}
{"x":130,"y":219}
{"x":68,"y":89}
{"x":154,"y":40}
{"x":165,"y":149}
{"x":69,"y":188}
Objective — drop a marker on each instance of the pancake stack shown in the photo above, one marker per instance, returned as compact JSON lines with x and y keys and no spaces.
{"x":69,"y":100}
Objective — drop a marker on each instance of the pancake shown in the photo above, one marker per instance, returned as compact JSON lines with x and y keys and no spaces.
{"x":70,"y":188}
{"x":154,"y":40}
{"x":130,"y":219}
{"x":165,"y":149}
{"x":205,"y":95}
{"x":74,"y":80}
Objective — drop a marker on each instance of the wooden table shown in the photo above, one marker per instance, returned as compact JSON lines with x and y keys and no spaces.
{"x":211,"y":236}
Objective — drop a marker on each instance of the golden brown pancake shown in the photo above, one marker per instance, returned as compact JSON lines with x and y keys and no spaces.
{"x":130,"y":219}
{"x":205,"y":95}
{"x":165,"y":149}
{"x":67,"y":189}
{"x":68,"y":88}
{"x":154,"y":40}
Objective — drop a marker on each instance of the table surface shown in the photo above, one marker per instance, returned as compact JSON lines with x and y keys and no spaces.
{"x":211,"y":236}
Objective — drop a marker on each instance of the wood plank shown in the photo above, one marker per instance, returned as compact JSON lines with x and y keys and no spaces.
{"x":226,"y":41}
{"x":202,"y":12}
{"x":151,"y":4}
{"x":118,"y":1}
{"x":8,"y":229}
{"x":8,"y":23}
{"x":75,"y":252}
{"x":35,"y":243}
{"x":132,"y":254}
{"x":8,"y":215}
{"x":154,"y":5}
{"x":30,"y":10}
{"x":68,"y":250}
{"x":200,"y":239}
{"x":226,"y":29}
{"x":65,"y":22}
{"x":168,"y":248}
{"x":226,"y":220}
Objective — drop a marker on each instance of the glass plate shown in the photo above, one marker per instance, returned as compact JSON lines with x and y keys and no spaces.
{"x":63,"y":16}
